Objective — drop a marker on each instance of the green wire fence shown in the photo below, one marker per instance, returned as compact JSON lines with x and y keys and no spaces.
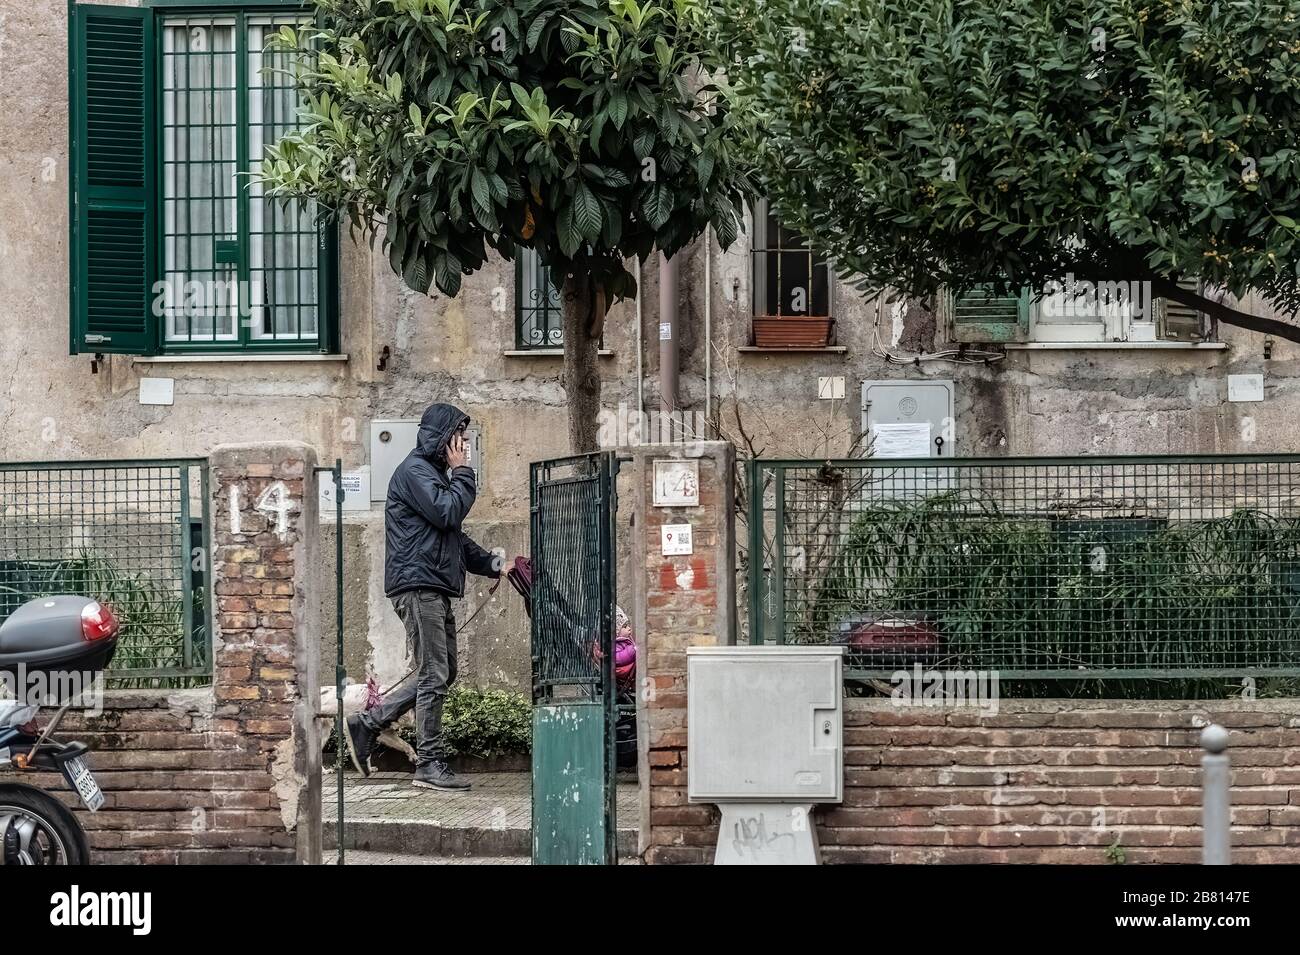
{"x":133,"y":534}
{"x":1043,"y":569}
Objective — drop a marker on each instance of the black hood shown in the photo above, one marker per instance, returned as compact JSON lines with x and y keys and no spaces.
{"x":437,"y":425}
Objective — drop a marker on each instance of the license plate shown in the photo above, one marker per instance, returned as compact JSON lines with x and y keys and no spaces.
{"x":83,"y":781}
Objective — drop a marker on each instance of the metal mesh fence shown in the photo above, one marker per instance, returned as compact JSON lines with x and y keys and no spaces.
{"x":572,"y":558}
{"x":131,"y":534}
{"x":1066,"y":568}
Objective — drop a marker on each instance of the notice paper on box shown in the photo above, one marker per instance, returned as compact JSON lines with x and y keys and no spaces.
{"x":901,"y":440}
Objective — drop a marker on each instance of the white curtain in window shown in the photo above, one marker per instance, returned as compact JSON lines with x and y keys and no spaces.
{"x":282,"y":236}
{"x":199,"y":178}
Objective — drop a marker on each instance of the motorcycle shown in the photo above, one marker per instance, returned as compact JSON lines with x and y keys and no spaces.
{"x":51,"y":643}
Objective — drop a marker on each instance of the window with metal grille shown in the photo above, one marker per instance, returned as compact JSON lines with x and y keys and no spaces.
{"x":539,"y":313}
{"x":239,"y":267}
{"x":789,"y":277}
{"x":175,"y":245}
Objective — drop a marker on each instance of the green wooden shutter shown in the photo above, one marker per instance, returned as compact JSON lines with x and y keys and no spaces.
{"x":111,"y":134}
{"x":1181,"y":323}
{"x":980,"y":315}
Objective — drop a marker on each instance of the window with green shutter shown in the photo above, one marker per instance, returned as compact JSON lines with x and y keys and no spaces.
{"x":1075,"y":314}
{"x":112,"y":136}
{"x":983,"y":315}
{"x":180,"y":106}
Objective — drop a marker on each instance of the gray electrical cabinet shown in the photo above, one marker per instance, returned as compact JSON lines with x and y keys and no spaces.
{"x":764,"y":724}
{"x":392,"y":439}
{"x":909,"y":419}
{"x":918,"y":404}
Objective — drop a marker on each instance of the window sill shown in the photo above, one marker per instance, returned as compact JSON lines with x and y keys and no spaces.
{"x":1115,"y":346}
{"x":548,"y":352}
{"x":232,"y":359}
{"x":795,"y":350}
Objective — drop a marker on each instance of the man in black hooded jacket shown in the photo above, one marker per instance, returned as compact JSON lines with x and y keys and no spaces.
{"x":427,"y":555}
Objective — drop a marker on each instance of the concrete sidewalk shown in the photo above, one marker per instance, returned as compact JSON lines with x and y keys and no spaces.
{"x":389,"y":821}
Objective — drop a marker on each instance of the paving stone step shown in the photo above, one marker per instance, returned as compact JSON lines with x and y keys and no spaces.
{"x":394,"y":858}
{"x":417,"y":837}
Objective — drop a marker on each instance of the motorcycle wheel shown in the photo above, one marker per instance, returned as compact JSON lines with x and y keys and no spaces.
{"x":37,"y":829}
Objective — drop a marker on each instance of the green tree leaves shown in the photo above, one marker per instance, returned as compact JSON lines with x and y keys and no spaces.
{"x":586,"y":213}
{"x":927,"y":143}
{"x":472,"y":125}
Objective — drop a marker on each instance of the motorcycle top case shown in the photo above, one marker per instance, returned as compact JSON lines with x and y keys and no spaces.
{"x":46,"y":634}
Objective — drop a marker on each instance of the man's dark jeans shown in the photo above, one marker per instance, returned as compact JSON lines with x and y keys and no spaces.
{"x":431,"y":639}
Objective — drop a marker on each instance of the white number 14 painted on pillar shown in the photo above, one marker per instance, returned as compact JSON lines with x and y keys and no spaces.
{"x":274,"y":502}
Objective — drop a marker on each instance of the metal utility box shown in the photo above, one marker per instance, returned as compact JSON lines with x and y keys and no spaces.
{"x":915,"y":403}
{"x":391,"y":440}
{"x":764,"y":724}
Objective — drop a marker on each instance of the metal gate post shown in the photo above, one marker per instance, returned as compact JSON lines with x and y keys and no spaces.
{"x":340,"y":669}
{"x":1216,"y":804}
{"x":609,"y":590}
{"x":754,"y":519}
{"x":778,"y":555}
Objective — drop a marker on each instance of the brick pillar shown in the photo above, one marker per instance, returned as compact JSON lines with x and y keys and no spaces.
{"x":681,"y":601}
{"x":265,"y":528}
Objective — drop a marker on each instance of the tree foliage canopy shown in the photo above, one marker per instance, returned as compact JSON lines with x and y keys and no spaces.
{"x":586,"y":129}
{"x":931,"y":143}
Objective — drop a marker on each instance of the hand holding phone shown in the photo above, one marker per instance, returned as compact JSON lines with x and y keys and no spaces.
{"x":457,"y":451}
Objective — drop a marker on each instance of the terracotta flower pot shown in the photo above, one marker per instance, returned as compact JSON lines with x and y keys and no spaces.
{"x":792,"y":331}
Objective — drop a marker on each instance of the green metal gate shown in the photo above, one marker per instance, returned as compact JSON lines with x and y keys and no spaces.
{"x":574,"y":705}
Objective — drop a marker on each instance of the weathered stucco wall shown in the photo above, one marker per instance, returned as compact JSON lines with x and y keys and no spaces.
{"x":53,"y":407}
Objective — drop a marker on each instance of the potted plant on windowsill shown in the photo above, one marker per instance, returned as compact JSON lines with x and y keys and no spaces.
{"x":793,"y":331}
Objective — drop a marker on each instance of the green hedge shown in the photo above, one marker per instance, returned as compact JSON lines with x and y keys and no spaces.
{"x":484,"y":723}
{"x":1010,"y":592}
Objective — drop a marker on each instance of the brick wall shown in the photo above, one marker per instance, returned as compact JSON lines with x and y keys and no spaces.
{"x":228,"y":773}
{"x":681,"y":601}
{"x":1058,"y":781}
{"x":1043,"y":781}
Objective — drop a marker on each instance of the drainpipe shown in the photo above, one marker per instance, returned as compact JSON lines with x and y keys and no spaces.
{"x":640,"y":341}
{"x":708,"y":327}
{"x":668,"y":287}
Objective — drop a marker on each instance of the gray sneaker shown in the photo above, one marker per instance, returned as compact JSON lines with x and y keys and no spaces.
{"x":360,"y":740}
{"x":437,"y":775}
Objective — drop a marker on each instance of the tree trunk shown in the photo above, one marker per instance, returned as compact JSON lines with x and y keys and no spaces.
{"x":584,"y":318}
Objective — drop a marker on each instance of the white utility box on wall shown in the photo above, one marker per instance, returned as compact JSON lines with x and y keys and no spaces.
{"x":909,"y":419}
{"x":392,"y":439}
{"x":765,"y":742}
{"x":913,"y":414}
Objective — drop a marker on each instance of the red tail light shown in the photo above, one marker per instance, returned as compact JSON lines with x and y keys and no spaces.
{"x":97,"y":622}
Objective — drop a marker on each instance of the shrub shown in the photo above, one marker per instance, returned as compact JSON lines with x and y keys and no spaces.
{"x":1011,"y":592}
{"x":485,"y":723}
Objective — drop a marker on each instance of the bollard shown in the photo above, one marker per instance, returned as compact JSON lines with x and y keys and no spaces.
{"x":1216,"y":808}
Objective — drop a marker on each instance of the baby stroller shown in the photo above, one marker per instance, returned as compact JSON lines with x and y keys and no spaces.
{"x":584,"y":646}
